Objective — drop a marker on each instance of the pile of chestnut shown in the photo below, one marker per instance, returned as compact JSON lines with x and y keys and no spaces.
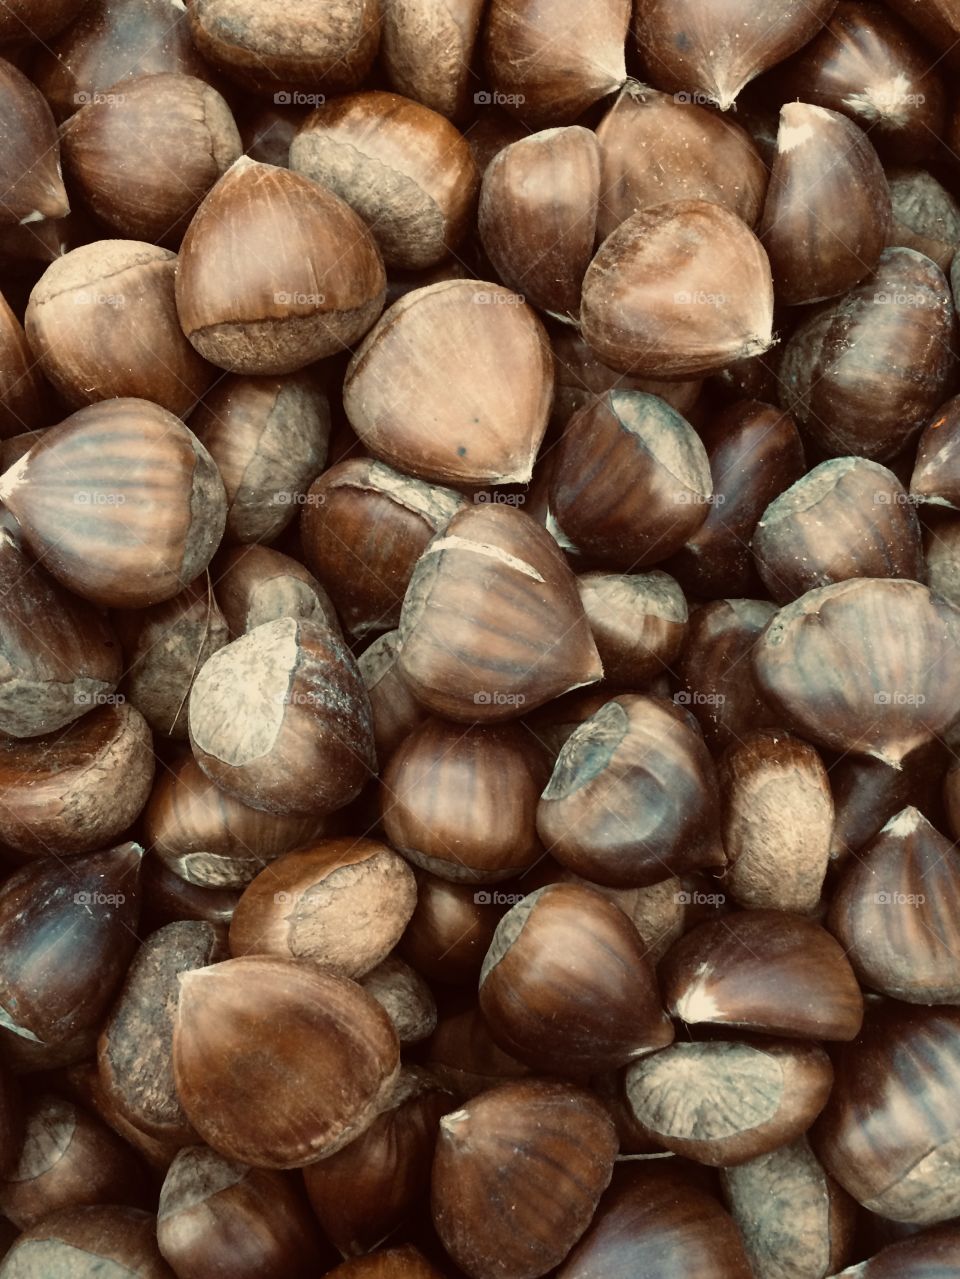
{"x":479,"y":639}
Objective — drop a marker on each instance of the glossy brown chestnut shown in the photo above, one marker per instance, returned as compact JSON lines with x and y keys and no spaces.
{"x":77,"y":789}
{"x":396,"y":712}
{"x":278,"y":1063}
{"x":208,"y":837}
{"x":69,"y":1158}
{"x":462,"y":802}
{"x":405,"y":169}
{"x":363,"y":528}
{"x":867,"y":792}
{"x":891,"y":1126}
{"x":121,"y":501}
{"x":114,"y":40}
{"x":725,"y":1102}
{"x":538,"y":216}
{"x":135,"y":1048}
{"x":89,"y":1238}
{"x":31,"y":184}
{"x":713,"y":51}
{"x":427,"y":52}
{"x":864,"y":374}
{"x":926,"y":217}
{"x":275,"y":272}
{"x":300,"y":47}
{"x":102,"y":324}
{"x":767,"y":971}
{"x":847,"y":518}
{"x":256,"y":585}
{"x":931,"y":1253}
{"x":755,"y":452}
{"x":777,"y":822}
{"x":793,"y":1218}
{"x":478,"y":422}
{"x":405,"y":997}
{"x":827,"y":215}
{"x":567,"y":986}
{"x":517,"y":1177}
{"x":269,"y":439}
{"x":638,"y":622}
{"x":640,"y":138}
{"x":654,"y":1214}
{"x":342,"y":903}
{"x":895,"y":912}
{"x":466,"y":1059}
{"x":169,"y":899}
{"x":67,"y":933}
{"x":216,"y":1213}
{"x":866,"y":665}
{"x":364,"y":1192}
{"x":678,"y":290}
{"x":451,"y":929}
{"x":936,"y":472}
{"x":492,"y":624}
{"x":22,"y":394}
{"x":546,"y":63}
{"x":280,"y":719}
{"x":582,"y":378}
{"x":144,"y":162}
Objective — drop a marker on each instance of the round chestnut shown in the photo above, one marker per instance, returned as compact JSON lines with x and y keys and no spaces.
{"x":73,"y":1240}
{"x":451,"y":930}
{"x":638,"y":622}
{"x":256,"y":585}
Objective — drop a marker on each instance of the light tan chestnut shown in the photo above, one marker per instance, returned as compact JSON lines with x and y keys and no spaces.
{"x":405,"y":169}
{"x":538,"y":216}
{"x":276,"y":272}
{"x":678,"y":290}
{"x":454,"y":384}
{"x":492,"y":624}
{"x":427,"y":50}
{"x":280,"y":719}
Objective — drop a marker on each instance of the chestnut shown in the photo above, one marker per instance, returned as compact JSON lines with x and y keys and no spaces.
{"x":278,"y":1063}
{"x":31,"y":184}
{"x":936,"y":473}
{"x":517,"y":1177}
{"x":363,"y":528}
{"x":364,"y":1192}
{"x":538,"y":216}
{"x":846,"y":518}
{"x":865,"y":665}
{"x":395,"y":710}
{"x":688,"y":47}
{"x":926,"y":217}
{"x":72,"y":1240}
{"x":638,"y":622}
{"x":778,"y":818}
{"x":134,"y":1051}
{"x":216,"y":1213}
{"x":279,"y":719}
{"x":102,"y":324}
{"x":66,"y":938}
{"x":582,"y":378}
{"x":142,"y":179}
{"x":724,"y":1102}
{"x":465,"y":1058}
{"x":77,"y":789}
{"x":169,"y":899}
{"x":462,"y":802}
{"x":341,"y":903}
{"x":256,"y":585}
{"x":678,"y":290}
{"x":210,"y":838}
{"x":451,"y":929}
{"x":480,"y":422}
{"x":547,"y":63}
{"x":864,"y":374}
{"x":767,"y":971}
{"x":827,"y":215}
{"x":275,"y":272}
{"x":297,"y":48}
{"x":121,"y":501}
{"x":269,"y":439}
{"x":891,"y":1125}
{"x":867,"y":792}
{"x":894,"y":908}
{"x":69,"y":1158}
{"x":40,"y":19}
{"x":567,"y":986}
{"x":492,"y":624}
{"x":928,"y":1253}
{"x":394,"y":1263}
{"x":405,"y":997}
{"x":427,"y":52}
{"x":633,"y":797}
{"x":660,"y":912}
{"x":268,"y":128}
{"x":22,"y":389}
{"x":942,"y":561}
{"x":405,"y":169}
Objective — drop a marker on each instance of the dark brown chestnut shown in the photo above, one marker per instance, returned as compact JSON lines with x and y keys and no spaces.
{"x":31,"y":184}
{"x":89,"y":1238}
{"x":581,"y":378}
{"x":22,"y":393}
{"x":77,"y":789}
{"x":275,"y":272}
{"x":37,"y":19}
{"x":928,"y":1255}
{"x":767,"y":971}
{"x":268,"y":128}
{"x":121,"y":501}
{"x":396,"y":712}
{"x":278,"y":1063}
{"x":936,"y":472}
{"x":427,"y":52}
{"x":517,"y":1177}
{"x":169,"y":899}
{"x":280,"y":719}
{"x":451,"y":929}
{"x":567,"y":986}
{"x":405,"y":997}
{"x":926,"y":217}
{"x":867,"y":792}
{"x":638,"y":622}
{"x":256,"y":585}
{"x":466,"y":1058}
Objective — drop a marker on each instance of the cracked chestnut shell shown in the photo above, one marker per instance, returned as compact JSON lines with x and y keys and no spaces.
{"x":567,"y":986}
